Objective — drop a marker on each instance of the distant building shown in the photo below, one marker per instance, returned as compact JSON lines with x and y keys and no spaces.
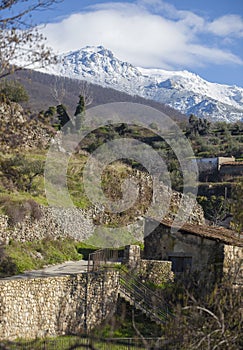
{"x":225,"y":160}
{"x":218,"y":168}
{"x":231,"y":169}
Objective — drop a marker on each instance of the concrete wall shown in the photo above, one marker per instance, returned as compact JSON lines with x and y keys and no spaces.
{"x":53,"y":306}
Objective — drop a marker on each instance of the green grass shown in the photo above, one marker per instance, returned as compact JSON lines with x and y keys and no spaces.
{"x":67,"y":342}
{"x":104,"y":237}
{"x":85,"y":249}
{"x":24,"y":256}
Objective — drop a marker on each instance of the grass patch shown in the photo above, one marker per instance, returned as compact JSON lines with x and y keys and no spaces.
{"x":23,"y":256}
{"x":71,"y":342}
{"x":120,"y":324}
{"x":85,"y":249}
{"x":110,"y":237}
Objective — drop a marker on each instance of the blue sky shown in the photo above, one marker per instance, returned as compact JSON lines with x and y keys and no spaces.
{"x":202,"y":36}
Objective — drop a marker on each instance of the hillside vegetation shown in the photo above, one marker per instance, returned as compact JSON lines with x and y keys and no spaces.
{"x":25,"y":138}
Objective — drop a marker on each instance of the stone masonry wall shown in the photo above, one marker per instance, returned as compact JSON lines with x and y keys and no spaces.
{"x":155,"y":271}
{"x":58,"y":222}
{"x":66,"y":222}
{"x":205,"y":253}
{"x":132,"y":255}
{"x":233,"y":263}
{"x":54,"y":306}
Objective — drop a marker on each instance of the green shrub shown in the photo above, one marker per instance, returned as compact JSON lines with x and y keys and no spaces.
{"x":85,"y":249}
{"x":18,"y":210}
{"x":14,"y":91}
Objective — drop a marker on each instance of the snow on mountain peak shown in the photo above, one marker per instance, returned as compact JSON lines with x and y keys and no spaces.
{"x":181,"y":90}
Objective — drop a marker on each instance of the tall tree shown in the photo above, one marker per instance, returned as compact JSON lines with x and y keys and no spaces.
{"x":62,"y":115}
{"x":79,"y":113}
{"x":19,"y":37}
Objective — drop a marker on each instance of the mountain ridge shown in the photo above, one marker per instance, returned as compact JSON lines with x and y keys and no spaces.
{"x":182,"y":90}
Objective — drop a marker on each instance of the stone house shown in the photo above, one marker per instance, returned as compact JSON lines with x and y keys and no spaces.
{"x":206,"y":250}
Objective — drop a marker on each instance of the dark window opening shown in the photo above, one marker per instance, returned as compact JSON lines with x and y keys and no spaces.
{"x":181,"y":263}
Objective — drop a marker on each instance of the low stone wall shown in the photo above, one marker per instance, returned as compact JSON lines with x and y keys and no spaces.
{"x":155,"y":271}
{"x":54,"y":306}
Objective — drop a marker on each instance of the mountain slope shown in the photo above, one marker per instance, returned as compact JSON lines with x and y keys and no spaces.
{"x":185,"y":91}
{"x":40,"y":88}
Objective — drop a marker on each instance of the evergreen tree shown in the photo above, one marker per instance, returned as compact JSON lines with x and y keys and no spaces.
{"x":13,"y":91}
{"x":79,"y":113}
{"x":63,"y":116}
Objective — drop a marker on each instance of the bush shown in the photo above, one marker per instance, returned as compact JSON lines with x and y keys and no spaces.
{"x":85,"y":249}
{"x":14,"y":91}
{"x":17,"y":211}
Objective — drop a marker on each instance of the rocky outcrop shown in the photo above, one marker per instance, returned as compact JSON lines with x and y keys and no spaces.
{"x":18,"y":132}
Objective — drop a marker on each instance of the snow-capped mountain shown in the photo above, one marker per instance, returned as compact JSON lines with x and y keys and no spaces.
{"x":181,"y":90}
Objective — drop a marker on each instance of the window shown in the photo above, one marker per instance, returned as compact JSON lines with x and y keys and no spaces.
{"x":181,"y":263}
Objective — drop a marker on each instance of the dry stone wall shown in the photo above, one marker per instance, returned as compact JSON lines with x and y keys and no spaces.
{"x":76,"y":223}
{"x":65,"y":223}
{"x":52,"y":306}
{"x":155,"y":271}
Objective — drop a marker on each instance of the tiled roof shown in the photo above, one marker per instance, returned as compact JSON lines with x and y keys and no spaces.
{"x":219,"y":233}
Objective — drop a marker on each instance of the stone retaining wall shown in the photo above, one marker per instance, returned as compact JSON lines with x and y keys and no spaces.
{"x":54,"y":222}
{"x":59,"y":222}
{"x":54,"y":306}
{"x":155,"y":271}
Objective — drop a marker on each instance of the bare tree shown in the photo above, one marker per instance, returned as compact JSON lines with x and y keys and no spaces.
{"x":86,"y":92}
{"x":19,"y":37}
{"x":213,"y":321}
{"x":57,"y":90}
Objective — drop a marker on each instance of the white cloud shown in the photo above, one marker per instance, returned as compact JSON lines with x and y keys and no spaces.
{"x":229,"y":25}
{"x":134,"y":32}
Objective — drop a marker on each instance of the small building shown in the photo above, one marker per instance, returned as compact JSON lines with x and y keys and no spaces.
{"x":209,"y":168}
{"x":231,"y":170}
{"x":209,"y":250}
